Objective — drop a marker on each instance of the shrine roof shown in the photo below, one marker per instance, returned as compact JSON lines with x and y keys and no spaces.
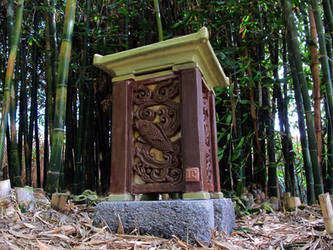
{"x":192,"y":49}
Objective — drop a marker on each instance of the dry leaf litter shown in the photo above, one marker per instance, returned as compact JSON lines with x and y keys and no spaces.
{"x":45,"y":228}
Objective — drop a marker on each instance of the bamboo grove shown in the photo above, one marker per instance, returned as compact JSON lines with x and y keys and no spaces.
{"x":56,"y":107}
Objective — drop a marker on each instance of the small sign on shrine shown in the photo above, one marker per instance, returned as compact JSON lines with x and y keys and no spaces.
{"x":163,"y":118}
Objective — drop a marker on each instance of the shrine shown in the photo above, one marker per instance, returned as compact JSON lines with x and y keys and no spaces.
{"x":164,"y":141}
{"x":163,"y":118}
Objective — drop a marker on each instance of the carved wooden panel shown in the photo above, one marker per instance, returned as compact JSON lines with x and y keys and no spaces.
{"x":156,"y":132}
{"x":207,"y":137}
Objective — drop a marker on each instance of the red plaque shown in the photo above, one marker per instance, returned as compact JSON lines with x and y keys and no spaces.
{"x":192,"y":175}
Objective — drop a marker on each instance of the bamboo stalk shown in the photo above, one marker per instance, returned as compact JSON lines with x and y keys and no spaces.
{"x":287,"y":148}
{"x":316,"y":82}
{"x":56,"y":161}
{"x":326,"y":208}
{"x":5,"y":188}
{"x":324,"y":59}
{"x":323,"y":51}
{"x":59,"y":201}
{"x":303,"y":135}
{"x":49,"y":100}
{"x":328,"y":35}
{"x":25,"y":198}
{"x":295,"y":50}
{"x":14,"y":164}
{"x":23,"y":110}
{"x":158,"y":20}
{"x":52,"y":39}
{"x":9,"y":74}
{"x":10,"y":21}
{"x":293,"y":202}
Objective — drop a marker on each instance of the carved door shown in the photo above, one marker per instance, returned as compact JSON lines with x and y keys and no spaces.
{"x":155,"y":136}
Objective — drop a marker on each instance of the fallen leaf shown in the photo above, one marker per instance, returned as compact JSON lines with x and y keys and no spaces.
{"x":120,"y":226}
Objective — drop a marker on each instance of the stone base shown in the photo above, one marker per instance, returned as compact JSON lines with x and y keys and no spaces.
{"x":186,"y":219}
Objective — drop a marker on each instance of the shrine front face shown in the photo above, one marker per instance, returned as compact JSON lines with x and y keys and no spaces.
{"x":155,"y":136}
{"x":163,"y":125}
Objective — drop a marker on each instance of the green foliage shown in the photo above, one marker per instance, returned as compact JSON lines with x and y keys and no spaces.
{"x":89,"y":197}
{"x":244,"y":35}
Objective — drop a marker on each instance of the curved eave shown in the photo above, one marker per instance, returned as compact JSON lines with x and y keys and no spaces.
{"x":194,"y":48}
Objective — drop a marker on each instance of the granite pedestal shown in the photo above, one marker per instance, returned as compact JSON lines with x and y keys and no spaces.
{"x":187,"y":219}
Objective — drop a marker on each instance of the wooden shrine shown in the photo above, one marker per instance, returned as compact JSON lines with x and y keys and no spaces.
{"x":163,"y":118}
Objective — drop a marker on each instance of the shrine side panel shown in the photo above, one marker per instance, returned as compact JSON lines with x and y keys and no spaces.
{"x":208,"y":138}
{"x":155,"y":136}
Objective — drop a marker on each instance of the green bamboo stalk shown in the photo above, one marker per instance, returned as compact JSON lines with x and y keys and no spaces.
{"x":303,"y":136}
{"x":23,"y":124}
{"x":70,"y":123}
{"x":328,"y":14}
{"x":37,"y":153}
{"x":158,"y":20}
{"x":272,"y":173}
{"x":328,"y":178}
{"x":290,"y":167}
{"x":14,"y":163}
{"x":7,"y":171}
{"x":329,"y":156}
{"x":89,"y":150}
{"x":34,"y":104}
{"x":51,"y":62}
{"x":9,"y":74}
{"x":284,"y":122}
{"x":10,"y":22}
{"x":52,"y":39}
{"x":21,"y":107}
{"x":56,"y":163}
{"x":235,"y":98}
{"x":327,"y":78}
{"x":10,"y":27}
{"x":49,"y":102}
{"x":88,"y":106}
{"x":290,"y":23}
{"x":260,"y":169}
{"x":81,"y":140}
{"x":311,"y":35}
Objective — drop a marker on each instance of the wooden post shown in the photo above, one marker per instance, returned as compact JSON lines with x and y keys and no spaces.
{"x":119,"y":162}
{"x":293,"y":202}
{"x":326,"y":207}
{"x":59,"y":201}
{"x":193,"y":135}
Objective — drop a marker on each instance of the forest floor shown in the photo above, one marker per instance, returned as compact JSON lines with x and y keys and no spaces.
{"x":45,"y":228}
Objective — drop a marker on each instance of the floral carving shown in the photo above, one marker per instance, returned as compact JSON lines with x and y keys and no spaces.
{"x":207,"y":131}
{"x":156,"y":125}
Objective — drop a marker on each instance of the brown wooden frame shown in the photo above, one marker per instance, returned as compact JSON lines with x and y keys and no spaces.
{"x":193,"y":127}
{"x":119,"y":181}
{"x":192,"y":136}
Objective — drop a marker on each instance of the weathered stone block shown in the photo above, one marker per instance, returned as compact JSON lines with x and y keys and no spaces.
{"x":186,"y":219}
{"x":224,"y":215}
